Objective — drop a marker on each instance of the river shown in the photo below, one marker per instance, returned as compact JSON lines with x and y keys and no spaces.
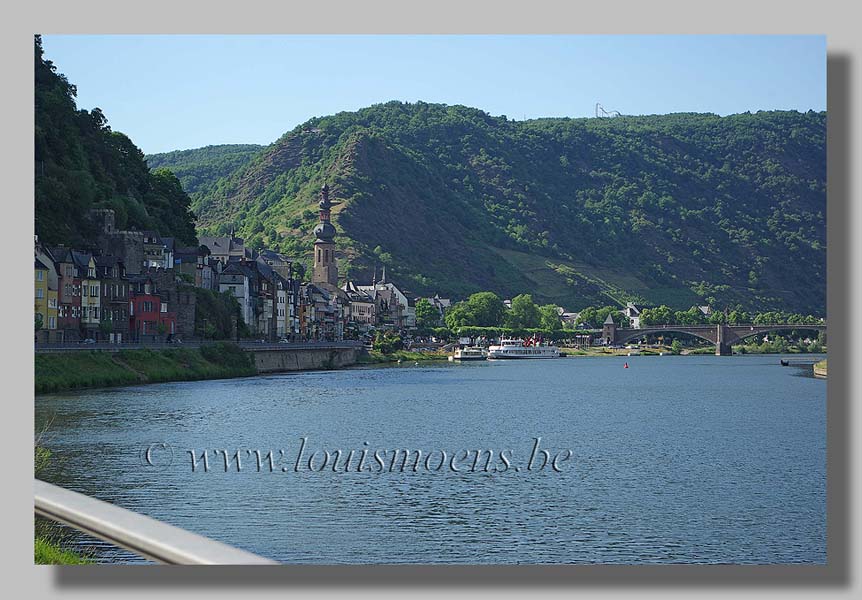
{"x":676,"y":459}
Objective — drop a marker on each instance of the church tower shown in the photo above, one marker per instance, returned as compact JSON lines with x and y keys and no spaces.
{"x":325,"y":265}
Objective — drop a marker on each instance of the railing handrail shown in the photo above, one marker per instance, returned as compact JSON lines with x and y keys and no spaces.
{"x":244,"y":344}
{"x":138,"y":533}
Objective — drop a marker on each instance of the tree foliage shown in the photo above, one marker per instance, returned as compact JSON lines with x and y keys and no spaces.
{"x":426,"y":315}
{"x":80,"y":163}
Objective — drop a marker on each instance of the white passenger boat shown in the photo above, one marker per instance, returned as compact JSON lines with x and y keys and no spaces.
{"x":518,"y":348}
{"x":469,"y":353}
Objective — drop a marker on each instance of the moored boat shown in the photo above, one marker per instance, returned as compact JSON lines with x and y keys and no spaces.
{"x":518,"y":348}
{"x":469,"y":353}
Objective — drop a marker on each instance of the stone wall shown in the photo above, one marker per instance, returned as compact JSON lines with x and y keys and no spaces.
{"x":275,"y":361}
{"x":128,"y":246}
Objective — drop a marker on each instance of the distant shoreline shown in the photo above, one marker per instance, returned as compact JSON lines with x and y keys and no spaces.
{"x":93,"y":370}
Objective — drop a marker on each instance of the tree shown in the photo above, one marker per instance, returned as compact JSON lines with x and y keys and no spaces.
{"x":460,"y":315}
{"x":387,"y":343}
{"x":550,"y":317}
{"x":619,"y":318}
{"x":676,"y":347}
{"x":487,"y":309}
{"x":426,"y":314}
{"x":524,"y":313}
{"x":660,"y":315}
{"x":589,"y":318}
{"x":39,"y":321}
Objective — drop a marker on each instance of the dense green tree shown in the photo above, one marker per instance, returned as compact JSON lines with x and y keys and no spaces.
{"x":426,"y":315}
{"x":524,"y":313}
{"x":550,"y":317}
{"x":459,"y":315}
{"x":660,"y":315}
{"x":487,"y":309}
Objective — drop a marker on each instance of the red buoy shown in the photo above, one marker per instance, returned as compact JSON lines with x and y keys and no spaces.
{"x":627,"y":366}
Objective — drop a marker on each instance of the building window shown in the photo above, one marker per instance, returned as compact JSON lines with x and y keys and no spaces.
{"x":39,"y":275}
{"x":52,"y":323}
{"x":39,"y":293}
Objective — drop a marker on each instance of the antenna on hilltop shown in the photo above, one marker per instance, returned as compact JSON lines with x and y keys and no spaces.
{"x":602,"y":113}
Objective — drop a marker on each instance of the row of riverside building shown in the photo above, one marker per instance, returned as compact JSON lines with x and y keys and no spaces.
{"x":137,"y":286}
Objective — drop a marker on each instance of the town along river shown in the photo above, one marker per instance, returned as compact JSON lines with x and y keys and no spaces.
{"x":690,"y":459}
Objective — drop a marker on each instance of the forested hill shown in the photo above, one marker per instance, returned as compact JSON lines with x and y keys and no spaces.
{"x":80,"y":163}
{"x":671,"y":209}
{"x":199,"y":169}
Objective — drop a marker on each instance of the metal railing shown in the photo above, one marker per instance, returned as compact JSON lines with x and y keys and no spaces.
{"x":244,"y":344}
{"x":138,"y":533}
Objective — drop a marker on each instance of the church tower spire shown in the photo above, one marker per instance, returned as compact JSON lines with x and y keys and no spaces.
{"x":325,"y":264}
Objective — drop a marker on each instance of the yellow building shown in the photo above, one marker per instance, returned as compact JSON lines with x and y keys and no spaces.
{"x":40,"y":303}
{"x":45,"y":300}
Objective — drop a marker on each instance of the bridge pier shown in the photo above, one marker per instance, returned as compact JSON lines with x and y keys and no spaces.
{"x":722,"y":349}
{"x":723,"y":337}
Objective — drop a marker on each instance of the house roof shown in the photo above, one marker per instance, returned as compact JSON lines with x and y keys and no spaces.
{"x":61,"y":254}
{"x":107,"y":260}
{"x":215,"y":244}
{"x":40,"y":265}
{"x":609,"y":320}
{"x":81,"y":259}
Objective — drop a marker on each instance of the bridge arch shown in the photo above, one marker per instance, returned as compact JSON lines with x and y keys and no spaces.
{"x":625,"y":336}
{"x":740,"y":332}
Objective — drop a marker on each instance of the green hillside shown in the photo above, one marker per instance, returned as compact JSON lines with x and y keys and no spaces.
{"x":80,"y":163}
{"x":663,"y":209}
{"x":200,"y":169}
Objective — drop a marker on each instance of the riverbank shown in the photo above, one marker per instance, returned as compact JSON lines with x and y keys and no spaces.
{"x":373,"y":357}
{"x":603,"y":351}
{"x":47,"y":552}
{"x":89,"y":369}
{"x":820,"y":368}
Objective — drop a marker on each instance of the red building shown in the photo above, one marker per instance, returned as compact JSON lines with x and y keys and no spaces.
{"x":149,"y":316}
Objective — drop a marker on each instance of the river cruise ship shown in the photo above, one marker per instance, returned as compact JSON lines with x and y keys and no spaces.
{"x":518,"y":348}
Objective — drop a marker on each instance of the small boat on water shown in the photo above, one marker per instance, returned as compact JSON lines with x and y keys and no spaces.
{"x":469,"y":353}
{"x":785,"y":363}
{"x":518,"y":348}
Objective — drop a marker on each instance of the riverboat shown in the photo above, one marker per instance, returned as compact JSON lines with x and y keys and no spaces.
{"x":514,"y":348}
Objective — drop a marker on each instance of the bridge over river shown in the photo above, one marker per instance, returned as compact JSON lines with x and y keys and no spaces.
{"x":723,"y":336}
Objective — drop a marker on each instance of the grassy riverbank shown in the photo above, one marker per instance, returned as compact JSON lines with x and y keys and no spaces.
{"x":85,"y":369}
{"x":51,"y":553}
{"x":374,"y":357}
{"x":602,"y":351}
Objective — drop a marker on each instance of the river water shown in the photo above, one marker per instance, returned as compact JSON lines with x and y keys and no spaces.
{"x":694,"y":459}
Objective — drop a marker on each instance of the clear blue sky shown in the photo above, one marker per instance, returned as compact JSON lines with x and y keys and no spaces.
{"x":169,"y":92}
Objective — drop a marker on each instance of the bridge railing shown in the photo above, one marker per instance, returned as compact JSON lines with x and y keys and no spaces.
{"x":147,"y":537}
